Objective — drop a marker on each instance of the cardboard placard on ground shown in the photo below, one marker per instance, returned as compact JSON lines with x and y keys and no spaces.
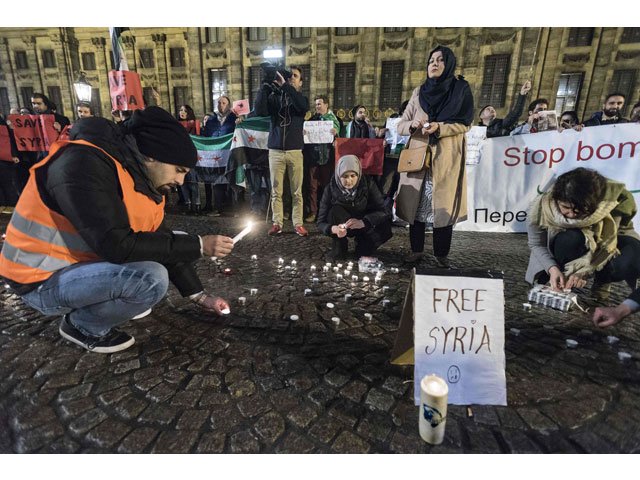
{"x":370,"y":151}
{"x":453,"y":321}
{"x":125,"y":90}
{"x":34,"y":133}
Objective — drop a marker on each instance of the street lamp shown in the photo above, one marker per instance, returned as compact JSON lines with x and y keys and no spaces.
{"x":274,"y":53}
{"x":82,"y":88}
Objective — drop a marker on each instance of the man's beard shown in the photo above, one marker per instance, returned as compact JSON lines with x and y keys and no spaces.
{"x":613,"y":112}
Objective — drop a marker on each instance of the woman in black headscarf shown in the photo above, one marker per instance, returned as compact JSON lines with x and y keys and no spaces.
{"x":439,"y":113}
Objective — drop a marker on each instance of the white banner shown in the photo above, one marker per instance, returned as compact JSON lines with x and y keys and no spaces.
{"x":318,"y":131}
{"x":512,"y":171}
{"x":391,"y":136}
{"x":475,"y":140}
{"x":459,"y":336}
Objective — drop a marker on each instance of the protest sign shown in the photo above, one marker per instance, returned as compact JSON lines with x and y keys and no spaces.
{"x":241,"y":107}
{"x":391,"y":136}
{"x":125,"y":90}
{"x":458,"y":322}
{"x":370,"y":151}
{"x":5,"y":144}
{"x":318,"y":131}
{"x":475,"y":139}
{"x":513,"y":170}
{"x":34,"y":133}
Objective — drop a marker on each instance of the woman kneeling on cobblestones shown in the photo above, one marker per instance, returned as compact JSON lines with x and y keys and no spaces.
{"x":584,"y":227}
{"x":352,"y":206}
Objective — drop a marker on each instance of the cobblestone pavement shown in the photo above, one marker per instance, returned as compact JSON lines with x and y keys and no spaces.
{"x":259,"y":382}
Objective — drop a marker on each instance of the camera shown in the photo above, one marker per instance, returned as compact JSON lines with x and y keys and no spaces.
{"x":269,"y":72}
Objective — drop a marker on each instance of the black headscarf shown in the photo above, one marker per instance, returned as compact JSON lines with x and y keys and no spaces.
{"x":447,"y":99}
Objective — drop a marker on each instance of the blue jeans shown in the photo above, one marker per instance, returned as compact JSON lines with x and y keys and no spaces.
{"x":99,"y":296}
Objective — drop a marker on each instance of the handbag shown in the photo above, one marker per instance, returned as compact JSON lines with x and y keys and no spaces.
{"x":412,"y":160}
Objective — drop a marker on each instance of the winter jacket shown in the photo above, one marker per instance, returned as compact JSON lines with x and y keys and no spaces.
{"x":501,"y":127}
{"x":287,"y":108}
{"x":367,"y":205}
{"x":596,"y":120}
{"x":214,"y":128}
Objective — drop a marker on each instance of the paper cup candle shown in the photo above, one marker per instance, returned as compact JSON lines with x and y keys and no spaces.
{"x":433,"y":409}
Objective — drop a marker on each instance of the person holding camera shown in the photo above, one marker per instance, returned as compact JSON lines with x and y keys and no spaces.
{"x":281,"y":100}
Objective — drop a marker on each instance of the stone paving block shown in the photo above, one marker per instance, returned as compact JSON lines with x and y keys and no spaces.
{"x":75,"y":408}
{"x":485,"y":415}
{"x":108,"y":433}
{"x":61,"y":445}
{"x":346,"y":411}
{"x":518,"y":442}
{"x":321,"y":395}
{"x":303,"y":415}
{"x":60,"y":365}
{"x":124,"y":367}
{"x":138,"y":440}
{"x":536,"y":420}
{"x":114,"y":396}
{"x":214,"y":398}
{"x":111,"y":383}
{"x":74,"y":393}
{"x":337,"y":377}
{"x":253,"y":406}
{"x":574,"y":414}
{"x":32,"y":417}
{"x":225,"y":420}
{"x":294,"y":443}
{"x":269,"y":383}
{"x":244,"y":442}
{"x":325,"y":429}
{"x":270,"y":427}
{"x":396,"y":385}
{"x":192,"y":420}
{"x":509,"y":418}
{"x":404,"y":444}
{"x":130,"y":407}
{"x":354,"y":390}
{"x":87,"y":421}
{"x":242,"y":388}
{"x":158,"y":414}
{"x":379,"y":400}
{"x":375,"y":427}
{"x":303,"y":381}
{"x":36,"y":438}
{"x":347,"y":442}
{"x":67,"y":380}
{"x":211,"y":443}
{"x":235,"y":375}
{"x":174,"y":377}
{"x":180,"y":441}
{"x":481,"y":440}
{"x":187,"y":399}
{"x":162,"y":392}
{"x":592,"y":443}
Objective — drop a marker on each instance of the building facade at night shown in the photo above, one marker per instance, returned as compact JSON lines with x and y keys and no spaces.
{"x":378,"y":67}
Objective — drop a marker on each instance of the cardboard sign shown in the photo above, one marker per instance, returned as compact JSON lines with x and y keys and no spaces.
{"x":370,"y":151}
{"x":5,"y":144}
{"x":125,"y":90}
{"x":191,"y":126}
{"x":34,"y":133}
{"x":475,"y":139}
{"x":391,"y":136}
{"x":458,"y":324}
{"x":318,"y":131}
{"x":241,"y":107}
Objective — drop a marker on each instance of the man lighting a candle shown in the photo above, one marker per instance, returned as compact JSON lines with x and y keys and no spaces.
{"x":86,"y":239}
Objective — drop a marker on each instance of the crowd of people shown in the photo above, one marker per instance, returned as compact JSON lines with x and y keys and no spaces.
{"x":94,"y":205}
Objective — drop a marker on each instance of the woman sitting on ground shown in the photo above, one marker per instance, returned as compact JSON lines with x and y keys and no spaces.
{"x":352,"y":206}
{"x":583,"y":227}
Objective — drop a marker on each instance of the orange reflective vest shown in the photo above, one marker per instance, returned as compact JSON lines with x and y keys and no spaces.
{"x":40,"y":241}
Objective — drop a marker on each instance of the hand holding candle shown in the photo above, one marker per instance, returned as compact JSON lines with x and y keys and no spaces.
{"x":216,"y":245}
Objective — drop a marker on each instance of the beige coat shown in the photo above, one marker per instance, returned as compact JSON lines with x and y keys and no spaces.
{"x":447,"y":168}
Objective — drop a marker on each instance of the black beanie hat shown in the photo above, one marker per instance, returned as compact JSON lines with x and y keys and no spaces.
{"x":160,"y":136}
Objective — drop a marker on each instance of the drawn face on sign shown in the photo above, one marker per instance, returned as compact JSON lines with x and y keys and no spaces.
{"x":453,"y":374}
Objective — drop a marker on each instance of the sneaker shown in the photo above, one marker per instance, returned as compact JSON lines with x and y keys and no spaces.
{"x":114,"y":341}
{"x":142,"y":315}
{"x":310,"y":219}
{"x":300,"y":230}
{"x":275,"y":229}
